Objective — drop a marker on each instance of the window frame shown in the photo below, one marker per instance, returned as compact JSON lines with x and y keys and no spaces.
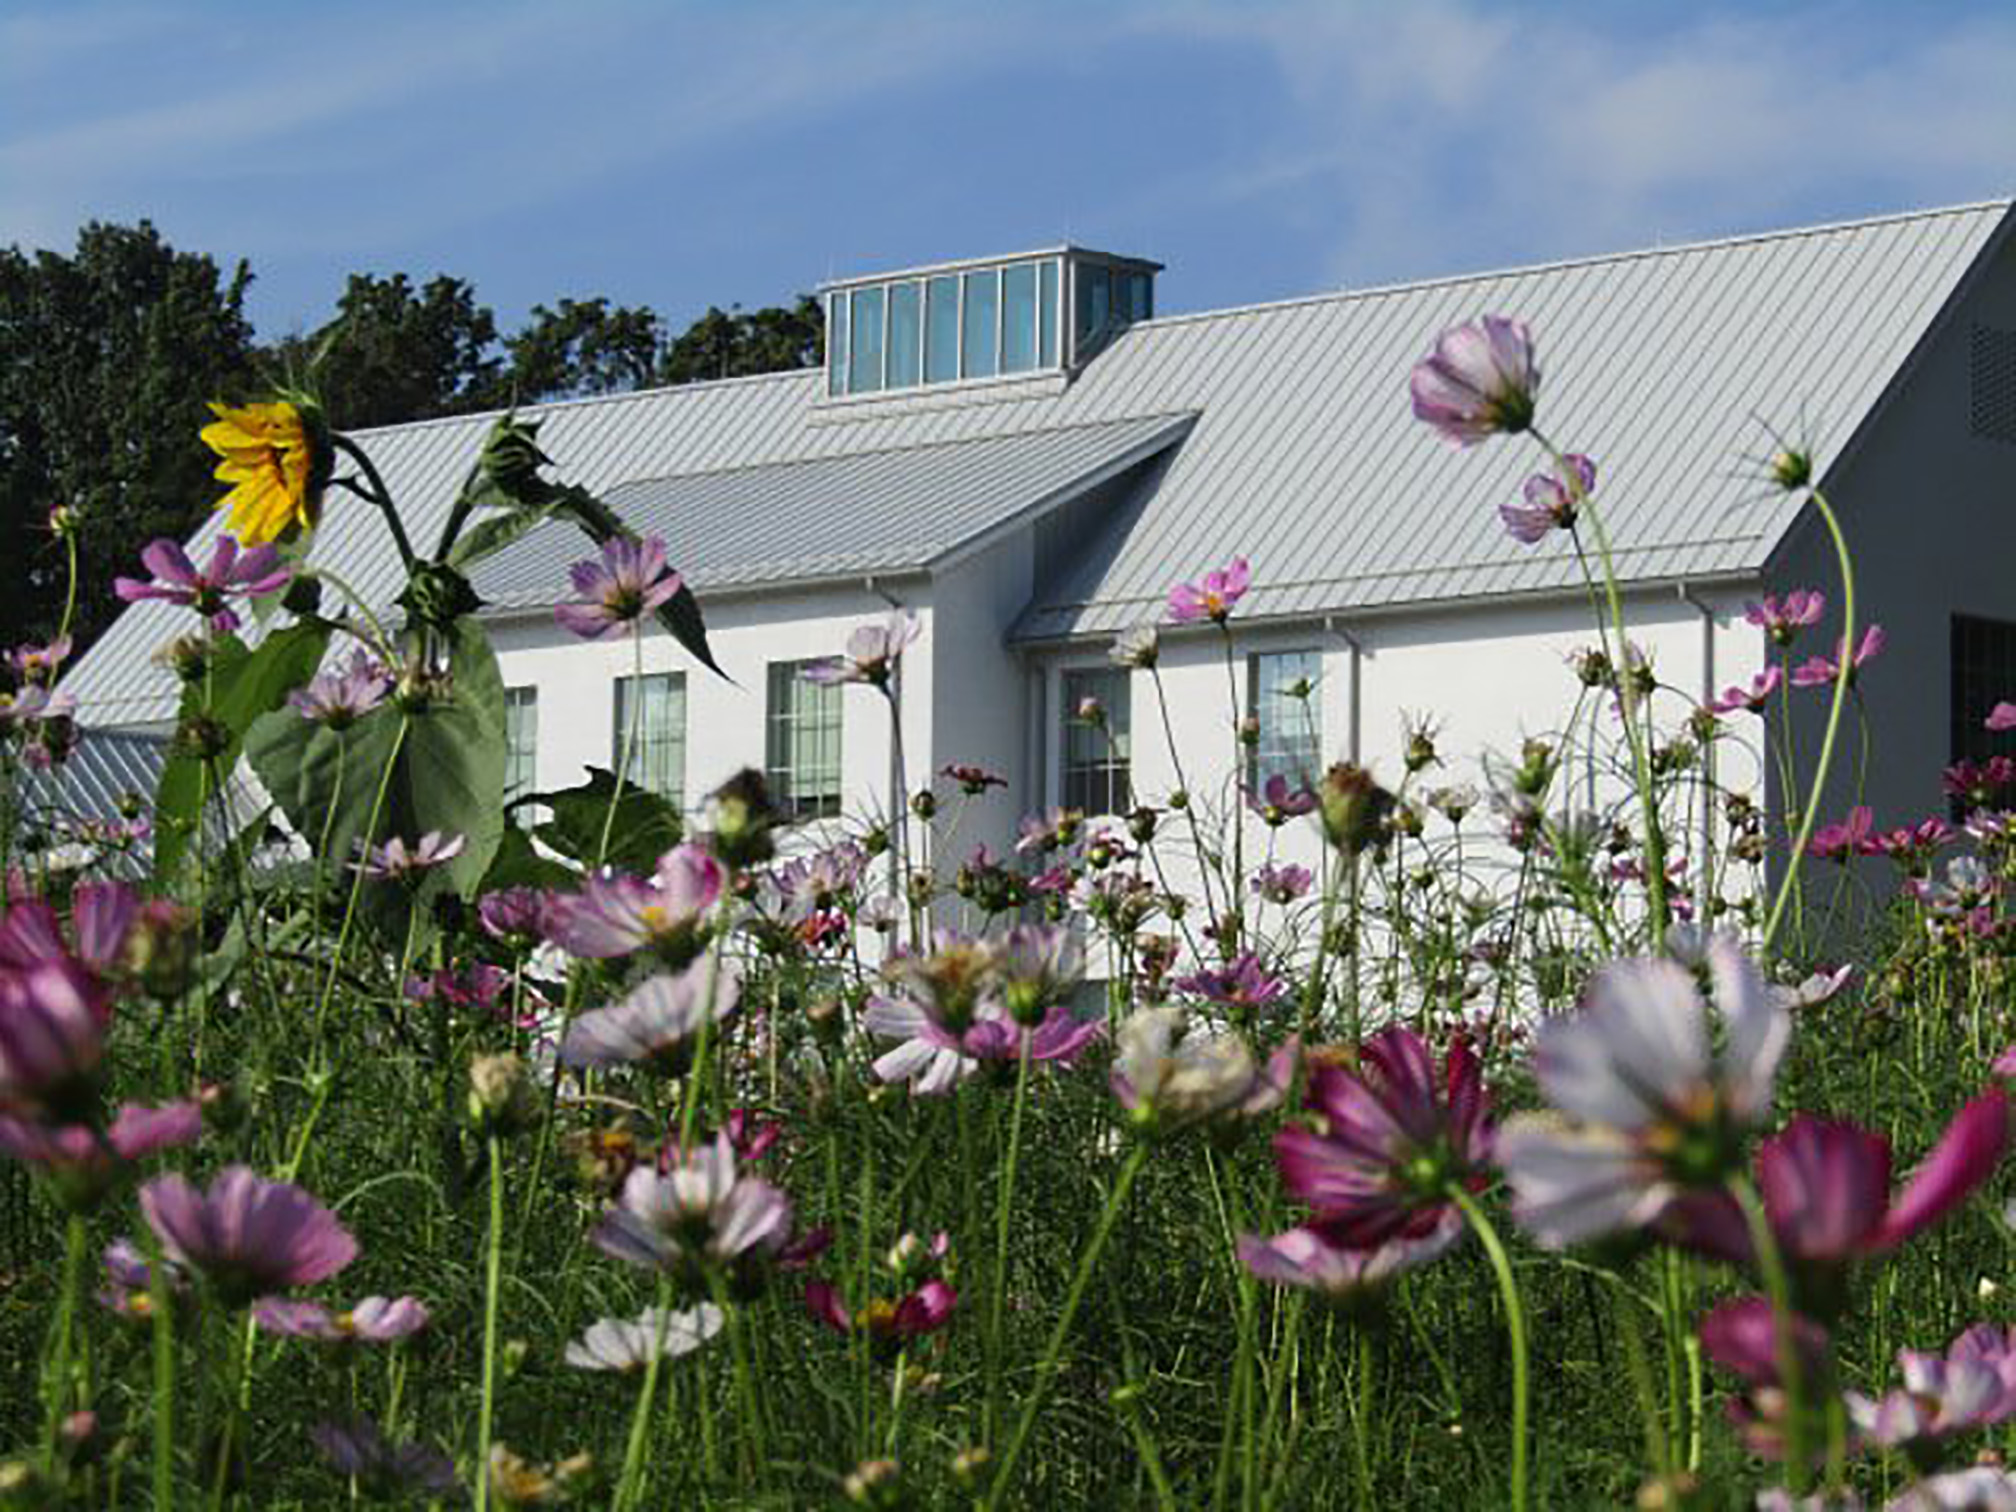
{"x":518,"y":751}
{"x":638,"y":773}
{"x":1108,"y":784}
{"x":1297,"y":754}
{"x":780,"y":738}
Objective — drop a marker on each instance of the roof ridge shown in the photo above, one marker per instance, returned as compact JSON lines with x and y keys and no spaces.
{"x":582,"y":401}
{"x":1564,"y":264}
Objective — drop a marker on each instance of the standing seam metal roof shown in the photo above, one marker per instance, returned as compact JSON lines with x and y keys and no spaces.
{"x":1664,"y":365}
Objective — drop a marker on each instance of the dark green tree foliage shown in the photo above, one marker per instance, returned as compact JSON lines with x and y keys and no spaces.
{"x":396,"y":353}
{"x":741,"y":343}
{"x":106,"y":358}
{"x":582,"y":348}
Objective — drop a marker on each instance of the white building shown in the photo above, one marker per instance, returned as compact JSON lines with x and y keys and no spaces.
{"x":1022,"y":450}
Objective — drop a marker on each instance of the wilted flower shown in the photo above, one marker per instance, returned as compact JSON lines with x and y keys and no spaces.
{"x":249,"y":1236}
{"x":615,"y":915}
{"x":1138,"y":647}
{"x":1479,"y":381}
{"x":394,"y":861}
{"x":1043,"y":833}
{"x":626,"y":1344}
{"x":232,"y":573}
{"x":517,"y":1482}
{"x":872,"y":652}
{"x":1819,"y":671}
{"x":1552,"y":500}
{"x":358,"y":1448}
{"x":1168,"y":1076}
{"x":1645,"y":1104}
{"x":1213,"y":596}
{"x":339,"y":699}
{"x":375,"y":1320}
{"x":973,"y":780}
{"x":657,"y":1022}
{"x":1782,"y":619}
{"x":1354,"y":807}
{"x":699,"y":1215}
{"x":630,"y":581}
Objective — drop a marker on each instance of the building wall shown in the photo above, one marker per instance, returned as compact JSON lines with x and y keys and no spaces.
{"x":1929,"y":510}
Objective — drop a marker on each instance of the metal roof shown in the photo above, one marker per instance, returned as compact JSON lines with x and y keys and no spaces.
{"x":1664,"y":365}
{"x":895,"y":511}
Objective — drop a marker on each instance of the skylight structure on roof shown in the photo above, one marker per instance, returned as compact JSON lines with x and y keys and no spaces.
{"x":981,"y":321}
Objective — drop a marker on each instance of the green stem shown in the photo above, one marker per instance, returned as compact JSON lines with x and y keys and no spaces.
{"x":357,"y":882}
{"x":379,"y":495}
{"x":997,"y":1280}
{"x":1764,"y":1241}
{"x":1046,"y":1368}
{"x":640,"y":1418}
{"x":492,"y":1287}
{"x":1515,"y":1329}
{"x":161,"y":1317}
{"x":56,"y":1386}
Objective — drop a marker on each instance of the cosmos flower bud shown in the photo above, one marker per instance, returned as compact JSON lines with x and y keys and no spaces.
{"x":500,"y":1094}
{"x":1353,"y":806}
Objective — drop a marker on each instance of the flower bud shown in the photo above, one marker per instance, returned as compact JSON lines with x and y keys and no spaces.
{"x":924,"y":804}
{"x":1353,"y":806}
{"x":511,"y":460}
{"x":500,"y":1094}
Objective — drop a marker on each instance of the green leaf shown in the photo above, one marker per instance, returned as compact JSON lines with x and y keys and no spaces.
{"x":244,"y":685}
{"x":519,"y":864}
{"x":441,"y":766}
{"x":644,"y":828}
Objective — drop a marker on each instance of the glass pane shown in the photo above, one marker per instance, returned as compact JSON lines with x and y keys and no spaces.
{"x":1095,"y":296}
{"x":1096,"y":768}
{"x":1137,"y":304}
{"x":905,"y":335}
{"x":983,"y":296}
{"x":1285,"y":696}
{"x":1018,"y":318}
{"x":941,"y":331}
{"x":836,"y":344}
{"x":1046,"y":312}
{"x":864,"y":375}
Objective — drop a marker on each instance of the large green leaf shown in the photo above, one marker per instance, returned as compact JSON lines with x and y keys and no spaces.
{"x":243,"y":686}
{"x":644,"y":827}
{"x":441,"y":766}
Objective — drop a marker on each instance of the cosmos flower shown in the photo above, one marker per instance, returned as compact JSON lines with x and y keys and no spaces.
{"x":1782,"y":619}
{"x":658,"y":1022}
{"x":872,"y":653}
{"x":630,"y":581}
{"x":84,"y":1163}
{"x":2001,"y":717}
{"x":359,"y":1449}
{"x":1756,"y":698}
{"x":1280,"y":800}
{"x":276,"y":463}
{"x":1853,"y":836}
{"x":1243,"y":986}
{"x":1305,"y":1257}
{"x":1283,"y":882}
{"x":1212,"y":596}
{"x":1742,"y":1337}
{"x":626,"y":1344}
{"x":1971,"y":1386}
{"x":249,"y":1236}
{"x":1479,"y":381}
{"x":699,"y":1215}
{"x":232,"y":573}
{"x":395,"y":861}
{"x":54,"y":1015}
{"x":339,"y":698}
{"x":1645,"y":1104}
{"x":615,"y":915}
{"x":1168,"y":1075}
{"x":375,"y":1320}
{"x":1138,"y":648}
{"x":34,"y":665}
{"x":1552,"y":500}
{"x":948,"y":1009}
{"x":1820,"y":671}
{"x":889,"y":1324}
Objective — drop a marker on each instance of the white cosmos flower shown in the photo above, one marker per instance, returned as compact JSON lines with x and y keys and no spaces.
{"x":630,"y":1343}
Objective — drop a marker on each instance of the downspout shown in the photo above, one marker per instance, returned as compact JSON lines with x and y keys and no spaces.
{"x":1354,"y":729}
{"x":1705,"y":871}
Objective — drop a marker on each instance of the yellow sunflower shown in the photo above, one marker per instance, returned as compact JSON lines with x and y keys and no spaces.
{"x":269,"y":454}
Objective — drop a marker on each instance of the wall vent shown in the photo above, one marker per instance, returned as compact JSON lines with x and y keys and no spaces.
{"x":1991,"y":384}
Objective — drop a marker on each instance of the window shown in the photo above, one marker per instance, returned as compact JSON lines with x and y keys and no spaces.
{"x":1984,"y":674}
{"x":1018,"y":318}
{"x":864,"y":368}
{"x":836,"y":344}
{"x":906,"y":335}
{"x":1282,"y":693}
{"x":941,"y":330}
{"x":1046,"y":315}
{"x":803,"y":746}
{"x":1096,"y":752}
{"x":983,"y":307}
{"x":521,"y":743}
{"x":657,"y":742}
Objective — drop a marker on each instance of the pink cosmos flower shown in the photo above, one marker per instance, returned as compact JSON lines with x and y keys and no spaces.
{"x":249,"y":1236}
{"x":339,"y":698}
{"x":701,"y":1214}
{"x":615,"y":915}
{"x":518,"y":917}
{"x":35,"y":704}
{"x":1826,"y":1189}
{"x":872,"y":653}
{"x":1645,"y":1104}
{"x":1212,"y":596}
{"x":1819,"y":671}
{"x":630,"y":581}
{"x":1307,"y":1258}
{"x":1283,"y":883}
{"x":1552,"y":500}
{"x":2001,"y":717}
{"x":1814,"y":990}
{"x":85,"y":1163}
{"x":1280,"y":800}
{"x":1782,"y":619}
{"x":53,"y":1019}
{"x":233,"y":572}
{"x":375,"y":1320}
{"x":658,"y":1022}
{"x":358,"y":1449}
{"x":1756,"y":698}
{"x":1853,"y":836}
{"x":948,"y":1010}
{"x":1479,"y":381}
{"x":1742,"y":1337}
{"x":1243,"y":986}
{"x":102,"y":918}
{"x":889,"y":1325}
{"x":395,"y":861}
{"x":1389,"y":1139}
{"x":1971,"y":1386}
{"x":34,"y":665}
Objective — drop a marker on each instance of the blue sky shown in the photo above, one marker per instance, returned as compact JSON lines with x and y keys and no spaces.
{"x":686,"y":154}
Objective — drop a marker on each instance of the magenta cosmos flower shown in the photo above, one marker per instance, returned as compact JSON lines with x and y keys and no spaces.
{"x":1742,"y":1337}
{"x":1388,"y":1141}
{"x":1280,"y":800}
{"x":1853,"y":836}
{"x":1479,"y":381}
{"x":102,"y":919}
{"x":395,"y":861}
{"x":375,"y":1320}
{"x":1782,"y":619}
{"x":53,"y":1018}
{"x":1305,"y":1257}
{"x":2001,"y":717}
{"x":889,"y":1325}
{"x":82,"y":1162}
{"x":630,"y":581}
{"x":1212,"y":596}
{"x":872,"y":653}
{"x":1552,"y":500}
{"x":249,"y":1236}
{"x":1242,"y":987}
{"x":233,"y":572}
{"x":1819,"y":671}
{"x":1756,"y":698}
{"x":340,"y":697}
{"x":1644,"y":1103}
{"x":1972,"y":1385}
{"x":657,"y":1023}
{"x":699,"y":1215}
{"x":615,"y":914}
{"x":1826,"y":1188}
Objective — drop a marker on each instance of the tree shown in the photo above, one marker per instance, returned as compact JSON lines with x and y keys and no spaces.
{"x":584,"y":347}
{"x":106,"y":358}
{"x":736,"y":345}
{"x":394,"y":353}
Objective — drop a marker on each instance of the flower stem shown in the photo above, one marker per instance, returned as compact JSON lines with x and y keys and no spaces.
{"x":379,"y":495}
{"x":357,"y":882}
{"x":161,"y":1317}
{"x":1046,"y":1368}
{"x":1515,"y":1329}
{"x":1004,"y":1196}
{"x":1790,"y":1374}
{"x":640,"y":1418}
{"x":493,"y":1266}
{"x":56,"y":1386}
